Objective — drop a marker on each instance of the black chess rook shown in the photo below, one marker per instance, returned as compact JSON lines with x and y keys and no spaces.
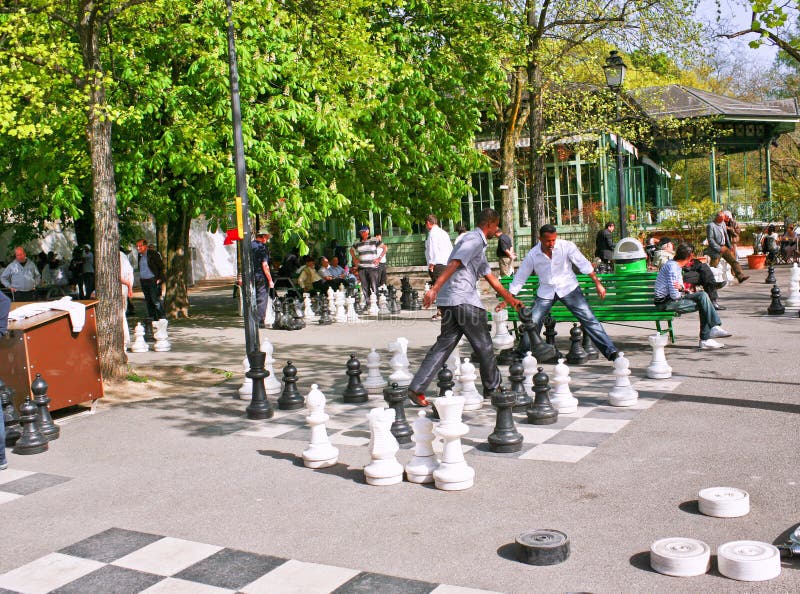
{"x":505,"y":438}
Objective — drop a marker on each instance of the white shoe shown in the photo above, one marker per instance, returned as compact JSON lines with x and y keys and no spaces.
{"x":719,"y":332}
{"x":710,"y":344}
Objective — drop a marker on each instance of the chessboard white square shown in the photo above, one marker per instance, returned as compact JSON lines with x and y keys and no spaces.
{"x":297,"y":577}
{"x":167,"y":556}
{"x":536,"y":434}
{"x":176,"y":586}
{"x":581,"y":412}
{"x":351,"y":440}
{"x":6,"y":497}
{"x":266,"y":430}
{"x":445,"y":589}
{"x":551,"y":452}
{"x":47,"y":573}
{"x":12,"y":474}
{"x":655,"y":385}
{"x":598,"y":425}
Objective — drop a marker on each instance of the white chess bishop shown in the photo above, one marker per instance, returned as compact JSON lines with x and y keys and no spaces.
{"x":561,"y":397}
{"x":374,"y":382}
{"x":384,"y":468}
{"x":622,"y":394}
{"x":320,"y":453}
{"x":466,"y":387}
{"x":502,"y":339}
{"x":658,"y":368}
{"x":420,"y":468}
{"x":400,"y":374}
{"x":139,"y":345}
{"x":453,"y":472}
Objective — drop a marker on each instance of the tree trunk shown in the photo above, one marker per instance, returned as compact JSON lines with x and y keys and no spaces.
{"x":512,"y":120}
{"x":537,"y":191}
{"x":176,"y":301}
{"x":106,"y":228}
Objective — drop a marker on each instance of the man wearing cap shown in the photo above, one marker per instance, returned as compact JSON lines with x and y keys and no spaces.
{"x":21,"y":276}
{"x":261,"y":275}
{"x":367,"y":254}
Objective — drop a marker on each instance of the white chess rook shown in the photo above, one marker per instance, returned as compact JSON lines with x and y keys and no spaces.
{"x":400,"y":374}
{"x":139,"y":345}
{"x":320,"y":453}
{"x":466,"y":387}
{"x":453,"y":473}
{"x":658,"y":368}
{"x":502,"y":338}
{"x":622,"y":394}
{"x":374,"y":382}
{"x":384,"y":468}
{"x":561,"y":397}
{"x":420,"y":468}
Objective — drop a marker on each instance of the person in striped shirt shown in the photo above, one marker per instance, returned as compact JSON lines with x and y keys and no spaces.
{"x":367,"y":255}
{"x":670,"y":294}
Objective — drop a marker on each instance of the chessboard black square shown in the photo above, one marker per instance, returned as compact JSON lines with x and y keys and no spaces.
{"x":608,"y":412}
{"x":482,"y":449}
{"x":34,"y":482}
{"x":110,"y":545}
{"x":370,"y":583}
{"x":110,"y":578}
{"x":230,"y":569}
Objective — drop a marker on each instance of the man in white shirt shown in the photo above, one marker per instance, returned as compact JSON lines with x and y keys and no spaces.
{"x":552,"y":259}
{"x":437,"y":251}
{"x":126,"y":280}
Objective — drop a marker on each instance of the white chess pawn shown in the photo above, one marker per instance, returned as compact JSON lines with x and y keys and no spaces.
{"x":399,"y":363}
{"x":561,"y":397}
{"x":502,"y":339}
{"x":466,"y":384}
{"x":139,"y":345}
{"x":374,"y":382}
{"x":373,"y":304}
{"x":453,"y":472}
{"x":384,"y":468}
{"x":383,"y":305}
{"x":420,"y":468}
{"x":341,"y":314}
{"x":308,"y":312}
{"x":622,"y":394}
{"x":320,"y":453}
{"x":246,"y":389}
{"x":162,"y":344}
{"x":659,"y":368}
{"x":272,"y":385}
{"x":351,"y":316}
{"x":529,"y":365}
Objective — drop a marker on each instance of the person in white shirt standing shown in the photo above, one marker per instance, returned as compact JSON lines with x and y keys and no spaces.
{"x":437,"y":252}
{"x":552,"y":259}
{"x":126,"y":279}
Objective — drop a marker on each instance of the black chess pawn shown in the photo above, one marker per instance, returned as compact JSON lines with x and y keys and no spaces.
{"x":516,"y":374}
{"x":415,"y":305}
{"x":550,"y":335}
{"x":395,"y":397}
{"x":591,"y":351}
{"x":505,"y":439}
{"x":277,"y":308}
{"x":9,"y":414}
{"x":355,"y":392}
{"x":394,"y":306}
{"x":44,"y":421}
{"x":541,"y":412}
{"x":31,"y":441}
{"x":286,"y":313}
{"x":290,"y":398}
{"x":770,"y":280}
{"x":405,"y":293}
{"x":576,"y":354}
{"x":324,"y":312}
{"x":775,"y":308}
{"x":298,"y":323}
{"x":445,"y":383}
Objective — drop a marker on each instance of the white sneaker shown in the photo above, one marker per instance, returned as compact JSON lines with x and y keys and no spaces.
{"x":710,"y":344}
{"x":719,"y":332}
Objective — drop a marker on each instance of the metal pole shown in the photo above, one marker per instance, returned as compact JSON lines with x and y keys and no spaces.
{"x":259,"y":407}
{"x":621,"y":198}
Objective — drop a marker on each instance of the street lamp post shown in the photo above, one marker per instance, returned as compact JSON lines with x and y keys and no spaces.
{"x":259,"y":407}
{"x":614,"y":70}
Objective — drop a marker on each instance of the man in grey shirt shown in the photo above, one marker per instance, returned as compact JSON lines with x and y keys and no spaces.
{"x":719,"y":246}
{"x":462,"y":310}
{"x":21,"y":276}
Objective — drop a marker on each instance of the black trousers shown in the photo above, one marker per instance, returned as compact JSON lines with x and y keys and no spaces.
{"x":699,"y":273}
{"x":458,"y":321}
{"x":152,"y":298}
{"x":369,"y":280}
{"x":24,"y":295}
{"x":262,"y":297}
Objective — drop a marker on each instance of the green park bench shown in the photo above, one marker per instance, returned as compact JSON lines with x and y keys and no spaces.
{"x":629,"y":298}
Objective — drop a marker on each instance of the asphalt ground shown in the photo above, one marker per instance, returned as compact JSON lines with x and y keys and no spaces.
{"x":175,"y":466}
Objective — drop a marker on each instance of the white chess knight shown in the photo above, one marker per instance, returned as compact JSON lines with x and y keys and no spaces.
{"x":529,"y":365}
{"x":351,"y":316}
{"x":502,"y":339}
{"x":139,"y":345}
{"x":420,"y":468}
{"x":794,"y":287}
{"x":320,"y":453}
{"x":466,"y":387}
{"x":658,"y":368}
{"x":384,"y":468}
{"x":374,"y":382}
{"x":162,"y":344}
{"x":399,"y":363}
{"x":246,"y":389}
{"x":341,"y":314}
{"x":373,"y":304}
{"x":622,"y":394}
{"x":453,"y":472}
{"x":308,"y":312}
{"x":561,"y":397}
{"x":272,"y":385}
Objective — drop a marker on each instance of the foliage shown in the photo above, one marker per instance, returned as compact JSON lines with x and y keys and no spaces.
{"x":689,"y":220}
